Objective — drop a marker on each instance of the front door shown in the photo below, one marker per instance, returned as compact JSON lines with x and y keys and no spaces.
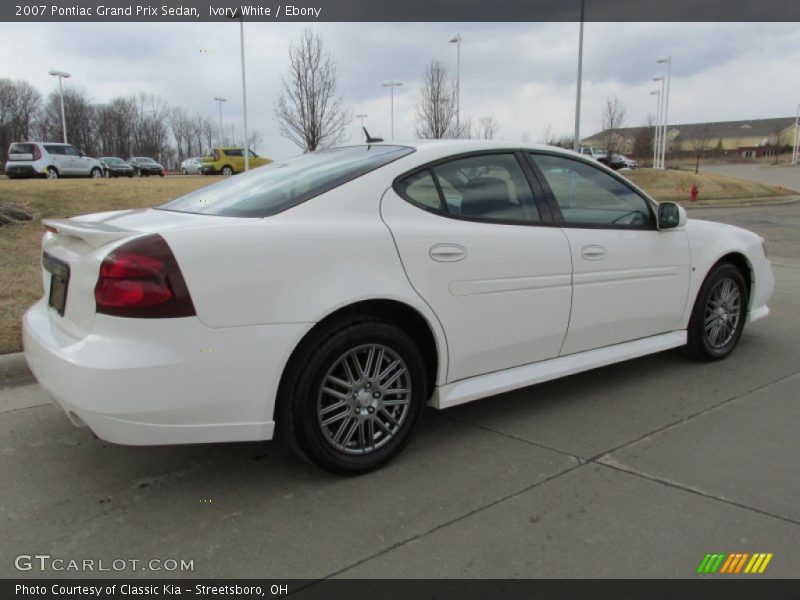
{"x":630,"y":280}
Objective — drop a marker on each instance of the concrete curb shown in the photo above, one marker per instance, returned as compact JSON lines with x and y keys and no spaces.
{"x":744,"y":203}
{"x":14,"y":370}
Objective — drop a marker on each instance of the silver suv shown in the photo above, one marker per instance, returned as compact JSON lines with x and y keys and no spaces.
{"x":51,"y":160}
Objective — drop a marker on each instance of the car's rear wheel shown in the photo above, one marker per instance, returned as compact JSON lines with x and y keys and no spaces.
{"x":227,"y":170}
{"x":718,"y":315}
{"x":353,"y":396}
{"x":52,"y":173}
{"x":184,"y":171}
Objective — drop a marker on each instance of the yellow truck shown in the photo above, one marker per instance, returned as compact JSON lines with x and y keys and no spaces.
{"x":228,"y":161}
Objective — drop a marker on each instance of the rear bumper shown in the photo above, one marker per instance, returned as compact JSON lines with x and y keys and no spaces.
{"x":153,"y":381}
{"x":13,"y":170}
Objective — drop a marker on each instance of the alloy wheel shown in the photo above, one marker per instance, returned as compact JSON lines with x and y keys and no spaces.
{"x":364,"y":399}
{"x":722,"y":313}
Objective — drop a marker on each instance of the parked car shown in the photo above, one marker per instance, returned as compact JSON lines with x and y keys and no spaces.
{"x":227,"y":161}
{"x":593,"y":152}
{"x":191,"y":166}
{"x":51,"y":160}
{"x":116,"y":167}
{"x":337,"y":293}
{"x":618,"y":161}
{"x":144,"y":166}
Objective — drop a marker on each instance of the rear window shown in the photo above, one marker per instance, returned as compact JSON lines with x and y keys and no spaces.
{"x":21,"y":149}
{"x":277,"y":186}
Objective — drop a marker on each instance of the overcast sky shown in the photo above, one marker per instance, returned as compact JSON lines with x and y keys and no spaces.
{"x":523,"y":75}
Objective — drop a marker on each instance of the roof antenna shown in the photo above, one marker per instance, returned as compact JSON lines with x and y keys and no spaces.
{"x":371,"y":140}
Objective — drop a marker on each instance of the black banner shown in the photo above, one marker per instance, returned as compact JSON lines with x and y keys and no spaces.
{"x":402,"y":589}
{"x":405,"y":11}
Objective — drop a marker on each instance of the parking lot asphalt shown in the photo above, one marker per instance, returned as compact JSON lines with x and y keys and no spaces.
{"x":632,"y":470}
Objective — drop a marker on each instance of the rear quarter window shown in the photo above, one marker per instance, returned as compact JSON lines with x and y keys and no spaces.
{"x":280,"y":185}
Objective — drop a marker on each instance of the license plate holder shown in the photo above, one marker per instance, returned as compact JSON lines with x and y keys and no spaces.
{"x":59,"y":283}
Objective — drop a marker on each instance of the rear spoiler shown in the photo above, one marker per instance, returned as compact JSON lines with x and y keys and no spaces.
{"x":94,"y":233}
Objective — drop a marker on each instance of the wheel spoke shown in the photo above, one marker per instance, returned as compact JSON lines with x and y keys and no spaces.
{"x":336,"y":393}
{"x":340,"y":432}
{"x":332,"y":407}
{"x":335,"y":418}
{"x":398,"y":402}
{"x":350,"y":432}
{"x":340,"y":382}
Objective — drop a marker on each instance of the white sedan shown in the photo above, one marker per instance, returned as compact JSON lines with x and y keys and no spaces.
{"x":337,"y":293}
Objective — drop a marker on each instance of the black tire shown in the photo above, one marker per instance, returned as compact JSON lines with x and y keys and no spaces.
{"x":708,"y":313}
{"x":227,"y":170}
{"x":184,"y":172}
{"x":96,"y":173}
{"x":302,"y":397}
{"x":52,"y":173}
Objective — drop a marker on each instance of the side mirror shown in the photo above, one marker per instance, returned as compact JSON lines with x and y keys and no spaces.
{"x":671,"y":215}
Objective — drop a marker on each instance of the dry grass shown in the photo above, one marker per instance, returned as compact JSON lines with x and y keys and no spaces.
{"x":20,"y":274}
{"x":676,"y":186}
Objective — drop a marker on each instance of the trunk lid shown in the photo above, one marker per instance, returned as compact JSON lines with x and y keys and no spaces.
{"x":79,"y":245}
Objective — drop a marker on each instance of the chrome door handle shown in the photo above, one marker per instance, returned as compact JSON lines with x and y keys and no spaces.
{"x":593,"y":252}
{"x":448,"y":252}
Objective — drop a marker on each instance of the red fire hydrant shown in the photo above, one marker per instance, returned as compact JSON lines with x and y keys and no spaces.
{"x":694,"y":192}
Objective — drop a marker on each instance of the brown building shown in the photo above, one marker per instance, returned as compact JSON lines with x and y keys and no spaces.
{"x":753,"y":138}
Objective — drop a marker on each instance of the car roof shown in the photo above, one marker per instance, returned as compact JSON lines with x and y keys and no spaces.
{"x":427,"y":150}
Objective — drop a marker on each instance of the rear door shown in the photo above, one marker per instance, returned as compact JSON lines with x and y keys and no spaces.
{"x":76,"y":164}
{"x":235,"y":159}
{"x":630,"y":280}
{"x":59,"y":158}
{"x":483,"y":253}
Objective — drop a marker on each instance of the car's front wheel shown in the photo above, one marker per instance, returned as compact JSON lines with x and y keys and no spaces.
{"x":719,"y":314}
{"x":96,"y":173}
{"x":353,"y":396}
{"x":227,"y":171}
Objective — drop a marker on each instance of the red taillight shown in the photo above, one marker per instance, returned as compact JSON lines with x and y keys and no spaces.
{"x":216,"y":155}
{"x":142,"y":279}
{"x":37,"y":153}
{"x":50,"y":229}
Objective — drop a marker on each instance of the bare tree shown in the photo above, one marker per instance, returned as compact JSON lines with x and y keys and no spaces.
{"x":613,"y":120}
{"x":436,"y":107}
{"x":548,"y":137}
{"x":19,"y":105}
{"x":701,"y":143}
{"x":487,"y":128}
{"x":308,"y":110}
{"x":644,"y":139}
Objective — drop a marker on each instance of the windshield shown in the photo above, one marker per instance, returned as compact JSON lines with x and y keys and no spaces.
{"x":275,"y":187}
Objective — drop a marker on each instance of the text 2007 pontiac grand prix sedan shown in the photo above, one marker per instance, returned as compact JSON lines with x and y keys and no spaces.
{"x":335,"y":294}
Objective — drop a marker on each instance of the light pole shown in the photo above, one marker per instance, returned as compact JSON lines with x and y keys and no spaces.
{"x":220,"y":100}
{"x":361,"y":118}
{"x":456,"y":39}
{"x":391,"y":85}
{"x":660,"y":164}
{"x":576,"y":142}
{"x":657,"y":127}
{"x":238,"y":15}
{"x":796,"y":149}
{"x":61,"y":76}
{"x":668,"y":61}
